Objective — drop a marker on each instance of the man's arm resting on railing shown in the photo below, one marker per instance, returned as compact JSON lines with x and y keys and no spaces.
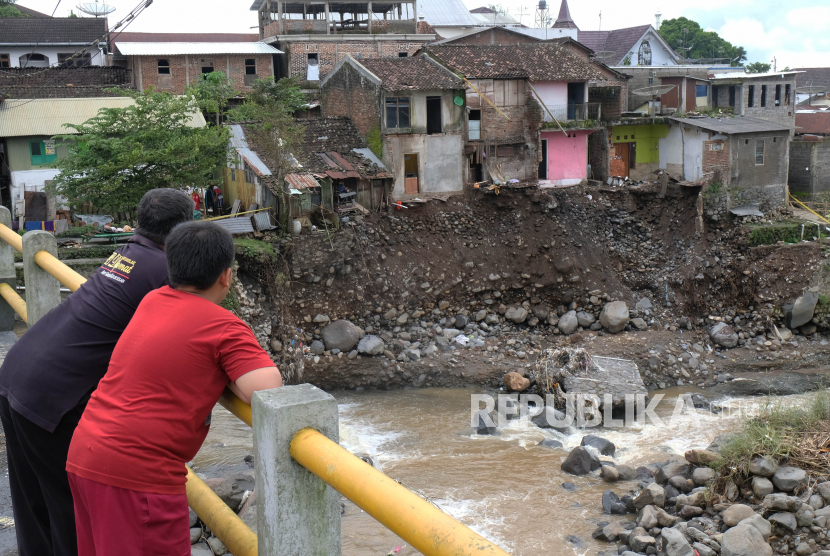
{"x":259,"y":379}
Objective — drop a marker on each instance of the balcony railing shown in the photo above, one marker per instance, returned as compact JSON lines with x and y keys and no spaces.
{"x":572,"y":112}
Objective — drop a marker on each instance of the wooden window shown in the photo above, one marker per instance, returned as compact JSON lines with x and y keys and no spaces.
{"x":250,"y":71}
{"x":763,"y":95}
{"x":4,"y":61}
{"x":759,"y":152}
{"x":164,"y":75}
{"x":750,"y":96}
{"x":777,"y":95}
{"x":397,"y":112}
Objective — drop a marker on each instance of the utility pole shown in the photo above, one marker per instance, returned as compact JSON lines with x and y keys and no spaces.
{"x":774,"y":64}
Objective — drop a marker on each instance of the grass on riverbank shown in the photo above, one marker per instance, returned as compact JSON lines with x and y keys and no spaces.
{"x":798,"y":435}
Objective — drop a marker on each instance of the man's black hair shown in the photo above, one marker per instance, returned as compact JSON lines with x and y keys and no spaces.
{"x":198,"y":253}
{"x":161,"y":210}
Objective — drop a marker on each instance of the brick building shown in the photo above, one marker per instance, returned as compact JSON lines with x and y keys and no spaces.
{"x":810,"y":152}
{"x":415,"y":107}
{"x":89,"y":81}
{"x":519,"y":97}
{"x":315,"y":36}
{"x":173,"y":66}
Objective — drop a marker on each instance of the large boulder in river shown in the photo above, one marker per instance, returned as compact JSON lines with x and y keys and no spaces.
{"x":788,"y":478}
{"x":568,"y":323}
{"x":724,"y":335}
{"x":614,"y":316}
{"x":371,"y":345}
{"x":580,"y":462}
{"x":744,"y":540}
{"x":340,"y":334}
{"x":803,"y":309}
{"x":516,"y":313}
{"x":603,"y":446}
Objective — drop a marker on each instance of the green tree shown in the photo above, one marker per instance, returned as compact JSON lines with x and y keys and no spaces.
{"x":691,"y":41}
{"x":758,"y":67}
{"x":7,"y":9}
{"x":269,"y":113}
{"x":212,"y":93}
{"x":121,"y":153}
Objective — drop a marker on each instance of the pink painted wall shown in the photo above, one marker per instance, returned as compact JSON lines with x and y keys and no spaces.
{"x":567,"y":156}
{"x":553,"y":93}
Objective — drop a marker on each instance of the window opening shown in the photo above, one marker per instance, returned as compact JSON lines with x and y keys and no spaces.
{"x":207,"y":65}
{"x":5,"y":61}
{"x":763,"y":95}
{"x":397,"y":112}
{"x":164,"y":67}
{"x":759,"y":152}
{"x":313,"y":67}
{"x":403,"y":54}
{"x":78,"y":61}
{"x":777,"y":95}
{"x":750,"y":100}
{"x":787,"y":95}
{"x":474,"y":125}
{"x":250,"y":66}
{"x":434,"y":115}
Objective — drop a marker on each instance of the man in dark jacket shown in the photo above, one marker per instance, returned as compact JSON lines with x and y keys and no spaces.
{"x":50,"y":373}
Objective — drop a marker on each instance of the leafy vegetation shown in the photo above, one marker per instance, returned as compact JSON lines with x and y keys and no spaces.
{"x":120,"y":154}
{"x":231,"y":302}
{"x":780,"y":431}
{"x":789,"y":232}
{"x":691,"y":41}
{"x":212,"y":93}
{"x":7,"y":9}
{"x":758,"y":67}
{"x":253,"y":248}
{"x":375,"y":142}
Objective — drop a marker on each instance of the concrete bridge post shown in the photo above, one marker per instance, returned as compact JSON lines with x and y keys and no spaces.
{"x":7,"y":273}
{"x":43,"y":292}
{"x":298,"y":513}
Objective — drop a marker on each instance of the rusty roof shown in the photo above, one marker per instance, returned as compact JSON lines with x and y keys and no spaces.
{"x":301,"y":181}
{"x":542,"y":61}
{"x":812,"y":122}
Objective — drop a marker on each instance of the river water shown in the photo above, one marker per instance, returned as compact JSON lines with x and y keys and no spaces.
{"x":504,"y":487}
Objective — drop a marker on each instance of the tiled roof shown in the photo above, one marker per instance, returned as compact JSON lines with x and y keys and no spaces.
{"x":415,"y":73}
{"x":537,"y":61}
{"x":54,"y":30}
{"x":30,"y":12}
{"x":85,"y":82}
{"x":619,"y":41}
{"x":817,"y":77}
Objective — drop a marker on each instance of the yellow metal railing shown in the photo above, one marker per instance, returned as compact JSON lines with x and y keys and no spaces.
{"x":406,"y":514}
{"x":817,"y":215}
{"x":224,"y":523}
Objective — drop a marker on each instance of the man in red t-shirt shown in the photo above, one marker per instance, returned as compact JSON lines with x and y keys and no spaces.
{"x":197,"y":200}
{"x":151,"y":412}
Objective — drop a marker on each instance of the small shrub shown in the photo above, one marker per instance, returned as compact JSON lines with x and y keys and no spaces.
{"x":375,"y":142}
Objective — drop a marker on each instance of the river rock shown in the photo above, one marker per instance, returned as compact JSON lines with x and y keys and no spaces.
{"x":610,"y":474}
{"x":550,"y":418}
{"x":195,"y":534}
{"x":627,"y":473}
{"x":484,"y":423}
{"x":816,"y":502}
{"x":461,"y":321}
{"x":612,"y":504}
{"x":780,"y":502}
{"x":320,"y":319}
{"x":614,"y":316}
{"x":824,"y":491}
{"x":653,"y":494}
{"x":508,"y":405}
{"x":231,"y":489}
{"x":540,"y":311}
{"x":724,"y":335}
{"x":761,"y":486}
{"x":317,"y":347}
{"x":675,"y":543}
{"x":803,"y":309}
{"x":550,"y":443}
{"x":647,"y":517}
{"x":672,"y":469}
{"x":736,"y":513}
{"x":784,"y":520}
{"x":720,"y":441}
{"x":805,"y":516}
{"x":516,"y":382}
{"x":788,"y":478}
{"x":762,"y":466}
{"x":516,"y":313}
{"x":585,"y":319}
{"x":568,"y":323}
{"x":641,"y":543}
{"x":340,"y":334}
{"x":371,"y":345}
{"x":217,"y":547}
{"x":200,"y":549}
{"x":610,"y":532}
{"x":701,"y":457}
{"x":757,"y":521}
{"x":603,"y":446}
{"x":703,"y":475}
{"x":580,"y":462}
{"x":744,"y":540}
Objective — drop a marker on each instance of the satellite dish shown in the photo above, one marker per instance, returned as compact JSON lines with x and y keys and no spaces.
{"x":96,"y":9}
{"x":811,"y":90}
{"x":653,"y":91}
{"x":605,"y":56}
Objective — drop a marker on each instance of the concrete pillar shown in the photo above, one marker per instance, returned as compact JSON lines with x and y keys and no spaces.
{"x":370,"y":16}
{"x":7,"y":273}
{"x":328,"y":23}
{"x":299,"y":514}
{"x":43,"y":292}
{"x":279,"y":17}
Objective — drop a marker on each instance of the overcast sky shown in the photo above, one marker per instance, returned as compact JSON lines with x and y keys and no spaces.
{"x":796,"y":32}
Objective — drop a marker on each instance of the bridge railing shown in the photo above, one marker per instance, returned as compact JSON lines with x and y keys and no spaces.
{"x":299,"y":465}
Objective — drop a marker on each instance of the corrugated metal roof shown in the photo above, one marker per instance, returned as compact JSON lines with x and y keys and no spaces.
{"x":337,"y":175}
{"x":240,"y":143}
{"x":263,"y":221}
{"x":301,"y":181}
{"x":368,"y":154}
{"x":48,"y":116}
{"x":754,"y":75}
{"x":177,"y":48}
{"x":445,"y":12}
{"x":343,"y":163}
{"x":733,"y":125}
{"x":812,"y":122}
{"x":238,"y":225}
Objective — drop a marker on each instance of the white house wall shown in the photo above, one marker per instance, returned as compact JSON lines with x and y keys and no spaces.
{"x":50,"y":52}
{"x":660,"y":55}
{"x":671,"y":153}
{"x":32,"y":180}
{"x":693,"y":153}
{"x":439,"y":161}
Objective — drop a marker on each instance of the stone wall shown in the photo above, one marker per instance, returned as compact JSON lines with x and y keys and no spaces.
{"x":716,"y":161}
{"x":613,"y":99}
{"x":350,"y":93}
{"x":763,"y":183}
{"x":809,"y":170}
{"x":330,"y":51}
{"x":63,"y":82}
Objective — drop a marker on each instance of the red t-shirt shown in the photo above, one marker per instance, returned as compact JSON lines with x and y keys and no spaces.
{"x":151,"y":412}
{"x":197,"y":200}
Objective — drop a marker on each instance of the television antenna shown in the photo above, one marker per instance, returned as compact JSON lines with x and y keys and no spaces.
{"x":654,"y":92}
{"x":96,"y":9}
{"x":810,"y":90}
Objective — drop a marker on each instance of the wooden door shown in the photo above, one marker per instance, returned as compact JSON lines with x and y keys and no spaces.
{"x":410,"y":168}
{"x":621,"y":151}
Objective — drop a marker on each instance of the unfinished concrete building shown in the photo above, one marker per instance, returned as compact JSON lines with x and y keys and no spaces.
{"x":810,"y":153}
{"x":315,"y":35}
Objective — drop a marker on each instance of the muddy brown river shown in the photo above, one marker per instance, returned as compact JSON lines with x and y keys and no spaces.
{"x":504,"y":487}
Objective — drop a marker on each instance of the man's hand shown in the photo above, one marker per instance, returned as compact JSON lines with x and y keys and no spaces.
{"x":259,"y":379}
